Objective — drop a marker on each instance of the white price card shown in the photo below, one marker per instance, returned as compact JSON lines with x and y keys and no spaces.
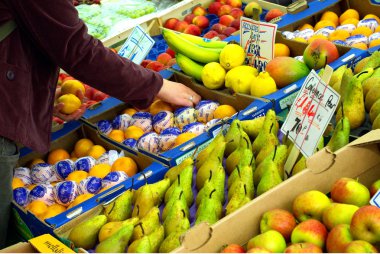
{"x":375,"y":200}
{"x":310,"y":113}
{"x":257,"y":38}
{"x":137,"y":46}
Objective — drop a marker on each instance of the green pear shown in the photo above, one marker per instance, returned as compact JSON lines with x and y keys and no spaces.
{"x":372,"y":96}
{"x":299,"y":166}
{"x":205,"y":153}
{"x":245,"y":177}
{"x":236,"y":174}
{"x":171,"y":242}
{"x":177,"y":218}
{"x":270,"y":177}
{"x":238,"y":199}
{"x":264,"y":152}
{"x":345,"y":83}
{"x":232,"y":137}
{"x":147,"y":224}
{"x":216,"y":181}
{"x":85,"y":234}
{"x":337,"y":75}
{"x":370,"y":82}
{"x":267,"y":132}
{"x":118,"y":242}
{"x":375,"y":111}
{"x":144,"y":201}
{"x":376,"y":123}
{"x":176,"y":195}
{"x":209,"y":210}
{"x":121,"y":208}
{"x":141,"y":245}
{"x":112,"y":227}
{"x":341,"y":135}
{"x":176,"y":170}
{"x":159,"y":189}
{"x":252,"y":127}
{"x":278,"y":156}
{"x":373,"y":61}
{"x":184,"y":180}
{"x":236,"y":156}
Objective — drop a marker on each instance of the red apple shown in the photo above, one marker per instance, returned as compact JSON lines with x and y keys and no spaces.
{"x":155,"y":66}
{"x":229,"y":30}
{"x":303,"y":248}
{"x":226,"y":20}
{"x":279,"y":220}
{"x":365,"y":224}
{"x":99,"y":96}
{"x":164,"y":58}
{"x":235,"y":24}
{"x":145,"y":62}
{"x":170,"y":52}
{"x":199,"y":11}
{"x":193,"y":29}
{"x":258,"y":250}
{"x":347,"y":190}
{"x":90,"y":103}
{"x":271,"y":240}
{"x":171,"y":62}
{"x":201,"y":21}
{"x":338,"y":238}
{"x":360,"y":246}
{"x":337,"y":214}
{"x":221,"y":1}
{"x":89,"y":93}
{"x":310,"y":231}
{"x":224,"y":10}
{"x":222,"y":36}
{"x":170,"y":23}
{"x":273,"y":13}
{"x":234,"y":3}
{"x":219,"y":28}
{"x":214,"y":8}
{"x":189,"y":18}
{"x":181,"y":26}
{"x":236,"y":13}
{"x":319,"y":53}
{"x":374,"y":187}
{"x":310,"y":205}
{"x":210,"y":34}
{"x":58,"y":120}
{"x":233,"y":248}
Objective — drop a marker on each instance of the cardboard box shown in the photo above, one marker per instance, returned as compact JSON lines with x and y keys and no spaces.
{"x":360,"y":159}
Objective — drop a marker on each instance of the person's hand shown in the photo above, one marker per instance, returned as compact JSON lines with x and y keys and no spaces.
{"x":178,"y":94}
{"x":73,"y":116}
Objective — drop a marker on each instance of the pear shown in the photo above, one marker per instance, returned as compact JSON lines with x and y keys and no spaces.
{"x":232,"y":137}
{"x":372,"y":96}
{"x":184,"y":180}
{"x":85,"y":234}
{"x":265,"y":151}
{"x":216,"y":181}
{"x":121,"y":208}
{"x":177,"y":218}
{"x":112,"y":227}
{"x":341,"y":135}
{"x":376,"y":123}
{"x":236,"y":156}
{"x":270,"y":178}
{"x":149,"y":243}
{"x":147,"y":224}
{"x":345,"y":83}
{"x":238,"y":199}
{"x":144,"y":201}
{"x":118,"y":242}
{"x":252,"y":127}
{"x":299,"y":166}
{"x":369,"y":83}
{"x":209,"y":210}
{"x":205,"y":153}
{"x":158,"y":189}
{"x":375,"y":110}
{"x":373,"y":61}
{"x":236,"y":174}
{"x":141,"y":245}
{"x":175,"y":171}
{"x":176,"y":195}
{"x":337,"y":75}
{"x":171,"y":242}
{"x":245,"y":177}
{"x":267,"y":134}
{"x":360,"y":65}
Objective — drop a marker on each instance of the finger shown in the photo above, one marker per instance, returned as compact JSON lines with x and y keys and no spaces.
{"x":80,"y":95}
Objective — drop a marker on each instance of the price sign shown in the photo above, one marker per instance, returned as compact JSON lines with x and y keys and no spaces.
{"x":375,"y":200}
{"x":310,"y":113}
{"x":257,"y":38}
{"x":137,"y":46}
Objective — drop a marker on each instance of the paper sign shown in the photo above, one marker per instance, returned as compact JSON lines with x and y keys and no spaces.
{"x":310,"y":113}
{"x":257,"y":38}
{"x":375,"y":200}
{"x":48,"y":244}
{"x":137,"y":46}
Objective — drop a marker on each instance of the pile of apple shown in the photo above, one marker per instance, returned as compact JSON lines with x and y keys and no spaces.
{"x":163,"y":61}
{"x":346,"y":223}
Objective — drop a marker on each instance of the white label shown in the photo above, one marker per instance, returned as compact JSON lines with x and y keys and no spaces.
{"x":257,"y":38}
{"x":310,"y":113}
{"x":137,"y":46}
{"x":287,"y":101}
{"x":375,"y":200}
{"x":193,"y":153}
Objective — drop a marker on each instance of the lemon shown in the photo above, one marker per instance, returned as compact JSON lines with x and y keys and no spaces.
{"x":263,"y":85}
{"x":71,"y":103}
{"x":240,"y":78}
{"x":213,"y":75}
{"x":72,"y":86}
{"x":232,"y":55}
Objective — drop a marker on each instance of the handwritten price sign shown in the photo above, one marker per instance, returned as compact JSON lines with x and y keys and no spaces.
{"x":310,"y":113}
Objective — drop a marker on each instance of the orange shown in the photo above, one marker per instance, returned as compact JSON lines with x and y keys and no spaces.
{"x":184,"y":137}
{"x":36,"y":161}
{"x":100,"y":170}
{"x":224,"y":111}
{"x":133,"y":132}
{"x":77,"y":176}
{"x":300,"y":39}
{"x":305,"y":26}
{"x":316,"y":36}
{"x":72,"y":86}
{"x":158,"y":106}
{"x":71,"y":103}
{"x":352,"y":21}
{"x":117,"y":135}
{"x":74,"y":159}
{"x":372,"y":16}
{"x":96,"y":151}
{"x":281,"y":49}
{"x":38,"y":208}
{"x":126,"y":164}
{"x":30,"y":187}
{"x":377,"y":29}
{"x":129,"y":111}
{"x":17,"y":182}
{"x":374,"y":43}
{"x":323,"y":23}
{"x":53,"y":210}
{"x":350,"y":13}
{"x":363,"y":30}
{"x":82,"y":147}
{"x":57,"y":155}
{"x":79,"y":199}
{"x":360,"y":45}
{"x":329,"y":15}
{"x":339,"y":35}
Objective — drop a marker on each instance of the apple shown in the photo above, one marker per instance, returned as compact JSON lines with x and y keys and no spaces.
{"x":145,"y":62}
{"x":258,"y":250}
{"x":235,"y":24}
{"x":337,"y":214}
{"x":338,"y":238}
{"x":319,"y":53}
{"x":170,"y":23}
{"x":67,"y":78}
{"x":365,"y":224}
{"x":233,"y":248}
{"x":214,"y":7}
{"x":181,"y":26}
{"x":155,"y":66}
{"x":310,"y":231}
{"x":58,"y":120}
{"x":273,"y":13}
{"x":248,"y":10}
{"x":303,"y":248}
{"x":201,"y":21}
{"x":279,"y":220}
{"x":228,"y":31}
{"x":360,"y":246}
{"x":89,"y":103}
{"x":221,"y":1}
{"x":189,"y":18}
{"x":374,"y":188}
{"x":237,"y":13}
{"x":99,"y":96}
{"x":350,"y":191}
{"x":219,"y":28}
{"x":224,"y":10}
{"x":171,"y":62}
{"x":222,"y":36}
{"x":170,"y":52}
{"x":89,"y":92}
{"x":210,"y":34}
{"x":164,"y":58}
{"x":199,"y":11}
{"x":234,"y":3}
{"x":193,"y":29}
{"x":271,"y":240}
{"x":226,"y":20}
{"x":310,"y":204}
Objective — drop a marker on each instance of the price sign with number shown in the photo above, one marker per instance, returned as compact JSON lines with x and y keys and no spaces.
{"x":137,"y":46}
{"x":257,"y":38}
{"x":310,"y":113}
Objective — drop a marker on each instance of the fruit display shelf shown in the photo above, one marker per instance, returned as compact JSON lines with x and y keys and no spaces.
{"x":28,"y":224}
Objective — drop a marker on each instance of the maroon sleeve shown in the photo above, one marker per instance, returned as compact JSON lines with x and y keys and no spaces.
{"x":58,"y":31}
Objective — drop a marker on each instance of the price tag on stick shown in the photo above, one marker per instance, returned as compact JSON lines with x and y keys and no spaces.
{"x":309,"y":116}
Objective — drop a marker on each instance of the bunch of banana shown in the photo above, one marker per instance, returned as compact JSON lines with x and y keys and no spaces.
{"x":193,"y":52}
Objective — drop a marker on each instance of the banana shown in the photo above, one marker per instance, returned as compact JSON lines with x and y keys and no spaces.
{"x":203,"y":42}
{"x":189,"y":49}
{"x":189,"y":67}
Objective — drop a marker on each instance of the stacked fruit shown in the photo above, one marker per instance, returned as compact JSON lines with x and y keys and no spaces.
{"x":49,"y":188}
{"x":78,"y":2}
{"x":163,"y":127}
{"x":345,"y":29}
{"x":162,"y":62}
{"x":347,"y":223}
